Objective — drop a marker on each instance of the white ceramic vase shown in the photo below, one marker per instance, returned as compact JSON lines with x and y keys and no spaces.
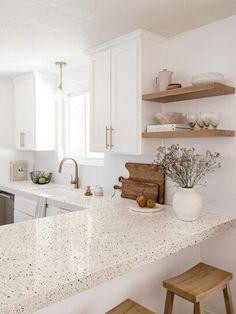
{"x":187,"y":204}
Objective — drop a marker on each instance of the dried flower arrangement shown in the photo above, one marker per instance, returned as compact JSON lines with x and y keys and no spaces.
{"x":184,"y":166}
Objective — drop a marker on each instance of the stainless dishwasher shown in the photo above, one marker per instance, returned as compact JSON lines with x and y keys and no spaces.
{"x":6,"y":208}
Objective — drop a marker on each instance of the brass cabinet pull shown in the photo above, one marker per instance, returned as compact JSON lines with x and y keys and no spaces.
{"x":111,"y":129}
{"x":107,"y":130}
{"x":22,"y":139}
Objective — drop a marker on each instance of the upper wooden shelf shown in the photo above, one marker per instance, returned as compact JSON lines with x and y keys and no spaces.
{"x":190,"y":92}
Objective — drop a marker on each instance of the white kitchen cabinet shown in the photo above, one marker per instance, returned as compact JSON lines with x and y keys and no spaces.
{"x":114,"y":98}
{"x":19,"y":217}
{"x":24,"y":208}
{"x":100,"y":101}
{"x":34,"y":96}
{"x":125,"y":97}
{"x":121,"y":71}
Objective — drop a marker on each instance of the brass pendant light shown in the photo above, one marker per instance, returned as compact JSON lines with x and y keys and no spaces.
{"x":60,"y":64}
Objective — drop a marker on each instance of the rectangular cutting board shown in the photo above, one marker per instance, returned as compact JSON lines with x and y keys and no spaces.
{"x":146,"y":178}
{"x":132,"y":189}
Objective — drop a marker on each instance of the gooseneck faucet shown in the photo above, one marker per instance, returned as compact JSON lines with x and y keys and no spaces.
{"x":74,"y":181}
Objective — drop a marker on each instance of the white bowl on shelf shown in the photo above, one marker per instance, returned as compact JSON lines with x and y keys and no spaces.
{"x":171,"y":118}
{"x":209,"y":77}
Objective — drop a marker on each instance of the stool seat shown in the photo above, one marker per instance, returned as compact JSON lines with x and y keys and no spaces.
{"x":129,"y":307}
{"x":198,"y":283}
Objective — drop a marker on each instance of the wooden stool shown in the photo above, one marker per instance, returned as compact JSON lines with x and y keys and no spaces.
{"x":198,"y":285}
{"x":129,"y":307}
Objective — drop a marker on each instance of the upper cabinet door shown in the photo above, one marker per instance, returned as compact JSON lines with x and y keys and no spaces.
{"x":34,"y":95}
{"x":24,"y":113}
{"x":45,"y":124}
{"x":125,"y":97}
{"x":100,"y":101}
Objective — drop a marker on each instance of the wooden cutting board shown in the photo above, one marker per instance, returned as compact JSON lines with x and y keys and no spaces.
{"x":132,"y":189}
{"x":146,"y":178}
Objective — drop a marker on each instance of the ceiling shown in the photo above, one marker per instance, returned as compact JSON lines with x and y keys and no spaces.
{"x":36,"y":33}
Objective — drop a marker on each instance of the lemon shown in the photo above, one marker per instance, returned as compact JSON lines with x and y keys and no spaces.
{"x":42,"y":180}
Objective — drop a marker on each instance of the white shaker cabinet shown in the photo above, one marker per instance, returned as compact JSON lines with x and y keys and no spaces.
{"x":121,"y":71}
{"x":100,"y":96}
{"x":125,"y":97}
{"x":34,"y":97}
{"x":114,"y":98}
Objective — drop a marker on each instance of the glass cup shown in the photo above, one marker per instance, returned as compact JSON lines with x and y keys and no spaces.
{"x":191,"y":120}
{"x":199,"y":122}
{"x":215,"y":119}
{"x":205,"y":117}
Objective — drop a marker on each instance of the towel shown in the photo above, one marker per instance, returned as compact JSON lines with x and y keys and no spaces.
{"x":41,"y":207}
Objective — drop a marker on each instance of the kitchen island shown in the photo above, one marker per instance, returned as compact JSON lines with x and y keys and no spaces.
{"x":46,"y":260}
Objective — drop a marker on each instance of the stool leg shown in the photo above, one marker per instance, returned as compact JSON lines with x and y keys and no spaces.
{"x":198,"y":308}
{"x":169,"y":302}
{"x":228,"y":299}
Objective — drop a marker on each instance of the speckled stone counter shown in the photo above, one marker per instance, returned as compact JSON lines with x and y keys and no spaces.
{"x":46,"y":260}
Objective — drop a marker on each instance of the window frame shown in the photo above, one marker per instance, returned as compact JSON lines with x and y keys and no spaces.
{"x":67,"y":124}
{"x":90,"y":158}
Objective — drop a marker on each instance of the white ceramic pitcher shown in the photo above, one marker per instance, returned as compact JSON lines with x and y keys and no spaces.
{"x":164,"y":79}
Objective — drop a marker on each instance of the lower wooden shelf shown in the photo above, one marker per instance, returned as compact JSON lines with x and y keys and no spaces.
{"x":190,"y":133}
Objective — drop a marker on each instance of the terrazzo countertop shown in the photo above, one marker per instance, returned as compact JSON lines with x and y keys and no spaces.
{"x":46,"y":260}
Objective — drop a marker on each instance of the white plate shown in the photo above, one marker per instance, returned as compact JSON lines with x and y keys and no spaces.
{"x":207,"y":78}
{"x":136,"y":208}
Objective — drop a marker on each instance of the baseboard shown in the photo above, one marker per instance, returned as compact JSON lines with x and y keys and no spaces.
{"x":209,"y":312}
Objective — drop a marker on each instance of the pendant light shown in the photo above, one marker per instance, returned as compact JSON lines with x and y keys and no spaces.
{"x":60,"y":96}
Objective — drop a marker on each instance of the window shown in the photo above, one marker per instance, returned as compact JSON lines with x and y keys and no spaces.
{"x":75,"y":130}
{"x":76,"y":142}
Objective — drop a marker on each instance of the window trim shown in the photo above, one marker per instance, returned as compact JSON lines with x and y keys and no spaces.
{"x":67,"y":123}
{"x":76,"y":89}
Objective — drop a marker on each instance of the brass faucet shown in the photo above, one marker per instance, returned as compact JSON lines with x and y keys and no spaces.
{"x":74,"y":181}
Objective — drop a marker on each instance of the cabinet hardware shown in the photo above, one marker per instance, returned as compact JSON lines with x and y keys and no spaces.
{"x":111,"y":129}
{"x":107,"y":130}
{"x":22,"y":139}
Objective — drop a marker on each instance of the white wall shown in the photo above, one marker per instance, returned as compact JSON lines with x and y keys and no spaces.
{"x":7,"y":152}
{"x":106,"y":175}
{"x":209,"y":48}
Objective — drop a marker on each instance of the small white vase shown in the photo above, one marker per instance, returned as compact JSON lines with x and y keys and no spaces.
{"x":187,"y":204}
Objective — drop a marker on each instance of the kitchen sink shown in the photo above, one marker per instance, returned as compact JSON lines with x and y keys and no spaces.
{"x":55,"y":191}
{"x":57,"y":198}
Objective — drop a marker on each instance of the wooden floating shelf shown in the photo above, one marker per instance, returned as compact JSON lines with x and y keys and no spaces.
{"x":189,"y":133}
{"x":190,"y":92}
